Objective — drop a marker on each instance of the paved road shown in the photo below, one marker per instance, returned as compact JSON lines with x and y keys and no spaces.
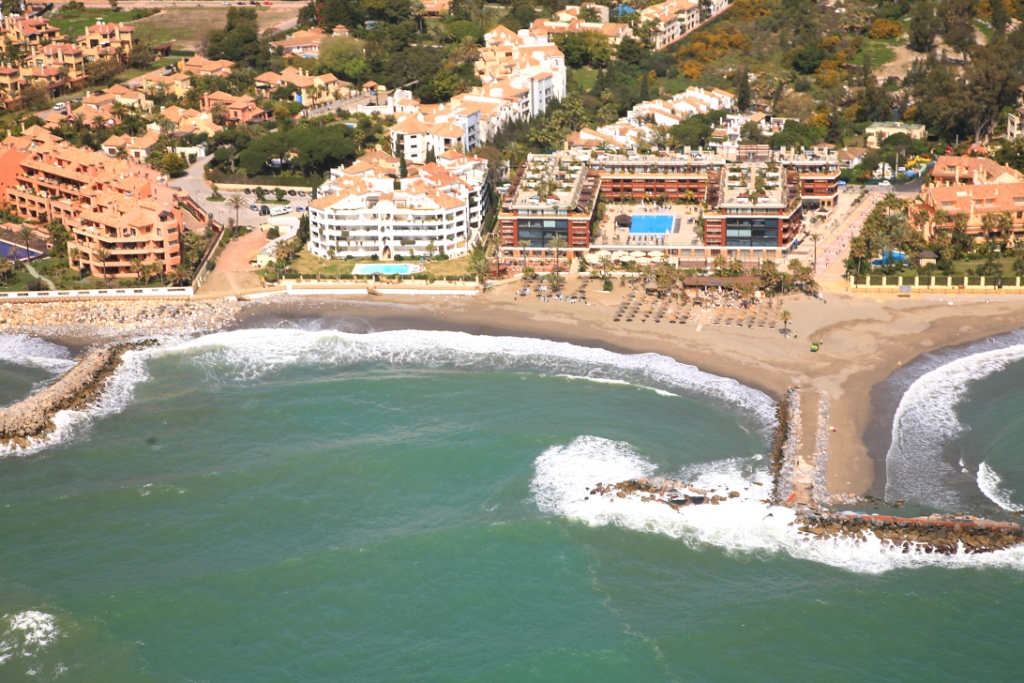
{"x":105,"y":4}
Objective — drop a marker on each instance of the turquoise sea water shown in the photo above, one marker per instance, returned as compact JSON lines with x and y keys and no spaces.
{"x":292,"y":506}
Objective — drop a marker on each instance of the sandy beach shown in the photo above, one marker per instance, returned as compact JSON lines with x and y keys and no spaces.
{"x":865,"y":339}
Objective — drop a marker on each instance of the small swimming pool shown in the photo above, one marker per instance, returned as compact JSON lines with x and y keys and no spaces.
{"x":16,"y":252}
{"x":387,"y":269}
{"x":658,"y":224}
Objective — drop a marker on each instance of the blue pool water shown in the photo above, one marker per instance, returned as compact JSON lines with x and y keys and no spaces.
{"x":386,"y":269}
{"x":652,"y":223}
{"x":16,"y":251}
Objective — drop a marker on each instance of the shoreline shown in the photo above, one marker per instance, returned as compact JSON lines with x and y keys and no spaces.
{"x":864,"y":341}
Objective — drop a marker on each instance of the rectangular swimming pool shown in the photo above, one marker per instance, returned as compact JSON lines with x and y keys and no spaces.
{"x":652,"y":223}
{"x":387,"y":269}
{"x":16,"y":252}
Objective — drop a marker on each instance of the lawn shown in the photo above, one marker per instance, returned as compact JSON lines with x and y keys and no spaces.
{"x":309,"y":265}
{"x":584,"y":78}
{"x":880,"y":51}
{"x":129,"y":74}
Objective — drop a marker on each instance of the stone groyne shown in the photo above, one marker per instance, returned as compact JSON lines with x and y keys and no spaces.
{"x":940,"y":534}
{"x":783,"y":454}
{"x":671,"y":492}
{"x":76,"y":389}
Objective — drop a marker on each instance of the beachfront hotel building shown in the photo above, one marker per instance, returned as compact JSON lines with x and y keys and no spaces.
{"x":553,"y":195}
{"x":367,"y":210}
{"x":695,"y":175}
{"x":117,"y":211}
{"x":752,"y":206}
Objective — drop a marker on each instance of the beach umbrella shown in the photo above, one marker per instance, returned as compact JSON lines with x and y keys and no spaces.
{"x":638,"y":254}
{"x":602,"y":253}
{"x":655,"y":254}
{"x":626,"y":257}
{"x":643,"y":261}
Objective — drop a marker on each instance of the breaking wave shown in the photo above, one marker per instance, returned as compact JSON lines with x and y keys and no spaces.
{"x":988,"y":482}
{"x":564,"y":475}
{"x":25,"y":350}
{"x":252,"y":354}
{"x":926,"y":420}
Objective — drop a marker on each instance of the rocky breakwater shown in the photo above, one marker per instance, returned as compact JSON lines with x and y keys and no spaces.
{"x":76,"y":389}
{"x":122,"y":318}
{"x":940,"y":534}
{"x":671,"y":492}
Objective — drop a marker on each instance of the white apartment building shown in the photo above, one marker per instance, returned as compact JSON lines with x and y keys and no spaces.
{"x":366,"y":210}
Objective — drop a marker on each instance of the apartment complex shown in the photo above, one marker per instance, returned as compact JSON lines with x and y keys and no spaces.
{"x":554,"y":195}
{"x":671,"y":20}
{"x":751,"y":206}
{"x":117,"y":211}
{"x":46,"y":60}
{"x":310,"y":90}
{"x":965,"y":170}
{"x":520,"y":74}
{"x":991,"y":208}
{"x":692,"y":175}
{"x":367,"y":210}
{"x":1015,"y":119}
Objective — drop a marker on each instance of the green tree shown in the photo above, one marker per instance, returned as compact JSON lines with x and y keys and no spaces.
{"x":174,"y":164}
{"x":59,"y":235}
{"x":236,"y":201}
{"x":479,"y":265}
{"x":742,"y":90}
{"x":924,"y":26}
{"x":344,"y":57}
{"x":279,"y":194}
{"x":556,"y":243}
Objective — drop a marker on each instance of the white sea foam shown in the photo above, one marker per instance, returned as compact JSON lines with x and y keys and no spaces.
{"x":926,"y":420}
{"x":988,"y":482}
{"x":26,"y":634}
{"x":565,"y":474}
{"x":605,"y":380}
{"x":26,"y":350}
{"x":252,"y":354}
{"x":248,"y":355}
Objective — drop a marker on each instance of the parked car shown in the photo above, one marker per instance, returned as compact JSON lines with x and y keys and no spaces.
{"x":247,"y":191}
{"x":302,"y":193}
{"x":267,"y":2}
{"x":885,"y":183}
{"x":253,"y":207}
{"x":291,"y":193}
{"x":226,"y":2}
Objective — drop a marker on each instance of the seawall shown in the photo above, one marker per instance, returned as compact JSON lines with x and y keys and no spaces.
{"x":33,"y":416}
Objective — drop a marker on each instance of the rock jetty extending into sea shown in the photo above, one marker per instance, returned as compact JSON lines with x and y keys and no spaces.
{"x":77,"y":388}
{"x":945,"y":535}
{"x":671,"y":492}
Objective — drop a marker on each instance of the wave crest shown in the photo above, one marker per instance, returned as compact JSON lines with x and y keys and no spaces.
{"x":926,"y":420}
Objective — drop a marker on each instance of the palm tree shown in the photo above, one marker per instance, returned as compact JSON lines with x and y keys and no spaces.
{"x":180,"y":274}
{"x":815,"y":238}
{"x":785,"y":316}
{"x":25,"y":233}
{"x":464,"y":51}
{"x":102,"y":255}
{"x":523,"y":245}
{"x":557,"y":242}
{"x":236,"y":201}
{"x":555,"y":281}
{"x":441,"y":33}
{"x":6,"y":268}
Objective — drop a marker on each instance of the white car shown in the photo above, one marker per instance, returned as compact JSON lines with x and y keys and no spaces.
{"x":885,"y":183}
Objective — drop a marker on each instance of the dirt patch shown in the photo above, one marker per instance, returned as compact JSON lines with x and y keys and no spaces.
{"x":899,"y":66}
{"x":186,"y":28}
{"x":239,"y":252}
